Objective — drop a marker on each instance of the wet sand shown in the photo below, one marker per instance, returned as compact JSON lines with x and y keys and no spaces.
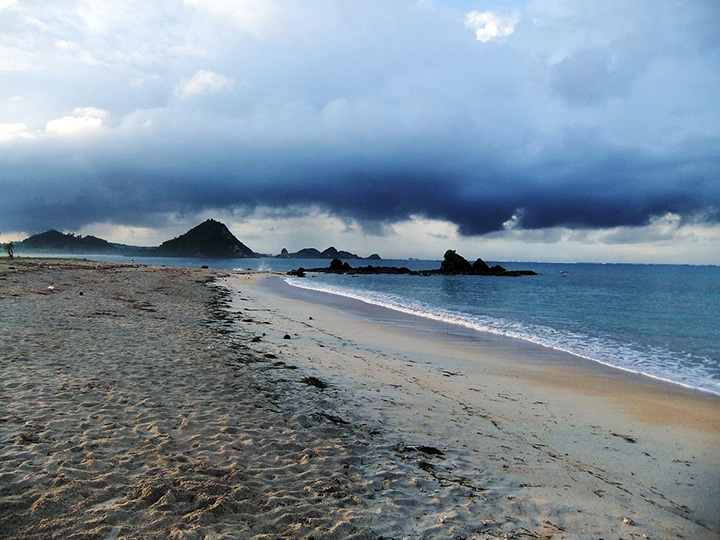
{"x":182,"y":403}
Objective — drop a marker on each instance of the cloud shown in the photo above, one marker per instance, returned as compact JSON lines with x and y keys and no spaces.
{"x":203,"y":82}
{"x":10,"y":131}
{"x":666,"y":238}
{"x":515,"y":221}
{"x":665,"y":225}
{"x":84,"y":119}
{"x":491,"y":25}
{"x":377,"y":113}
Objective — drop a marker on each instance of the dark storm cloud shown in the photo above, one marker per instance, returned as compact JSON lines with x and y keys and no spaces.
{"x":592,"y":114}
{"x":385,"y":187}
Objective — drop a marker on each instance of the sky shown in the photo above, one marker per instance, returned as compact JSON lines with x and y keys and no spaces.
{"x":547,"y":130}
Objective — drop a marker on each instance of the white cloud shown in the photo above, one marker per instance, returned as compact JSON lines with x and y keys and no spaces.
{"x":74,"y":50}
{"x":12,"y":131}
{"x":203,"y":82}
{"x":248,"y":14}
{"x":135,"y":236}
{"x":515,"y":221}
{"x":149,"y":79}
{"x":490,"y":25}
{"x":279,"y":21}
{"x":666,"y":224}
{"x":7,"y":3}
{"x":83,"y":119}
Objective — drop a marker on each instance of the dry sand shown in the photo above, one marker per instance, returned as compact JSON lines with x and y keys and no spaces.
{"x":157,"y":405}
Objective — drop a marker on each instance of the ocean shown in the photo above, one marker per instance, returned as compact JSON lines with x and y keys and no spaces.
{"x":659,"y":320}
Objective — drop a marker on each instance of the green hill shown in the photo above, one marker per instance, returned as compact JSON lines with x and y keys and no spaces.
{"x":55,"y":241}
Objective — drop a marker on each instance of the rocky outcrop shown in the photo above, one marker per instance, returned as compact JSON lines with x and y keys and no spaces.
{"x":455,"y":264}
{"x":340,"y":267}
{"x":452,"y":264}
{"x":336,"y":265}
{"x":480,"y":266}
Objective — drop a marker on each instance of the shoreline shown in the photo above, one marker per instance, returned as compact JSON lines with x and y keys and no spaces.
{"x":466,"y":325}
{"x":619,"y":429}
{"x":190,"y":404}
{"x":553,"y":361}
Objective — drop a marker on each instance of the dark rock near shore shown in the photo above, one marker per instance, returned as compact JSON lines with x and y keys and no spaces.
{"x":455,"y":264}
{"x":298,"y":272}
{"x":480,"y":266}
{"x":345,"y":268}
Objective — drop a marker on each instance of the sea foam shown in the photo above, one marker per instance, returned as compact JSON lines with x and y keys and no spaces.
{"x":657,"y":363}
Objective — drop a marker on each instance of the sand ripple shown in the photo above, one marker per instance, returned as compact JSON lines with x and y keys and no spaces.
{"x":124,"y":414}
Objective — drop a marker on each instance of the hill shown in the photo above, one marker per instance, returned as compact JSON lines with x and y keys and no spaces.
{"x":210,"y":239}
{"x":329,"y":253}
{"x":55,"y":241}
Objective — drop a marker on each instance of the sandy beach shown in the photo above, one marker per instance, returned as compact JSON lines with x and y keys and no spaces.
{"x":144,"y":402}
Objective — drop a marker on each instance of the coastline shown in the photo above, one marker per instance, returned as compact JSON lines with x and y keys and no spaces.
{"x":190,"y":404}
{"x":566,"y":334}
{"x":641,"y":443}
{"x":533,"y":362}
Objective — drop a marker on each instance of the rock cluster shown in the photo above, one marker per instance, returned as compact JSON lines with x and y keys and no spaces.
{"x":452,"y":264}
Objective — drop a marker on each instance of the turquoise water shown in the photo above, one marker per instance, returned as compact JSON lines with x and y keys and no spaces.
{"x":660,"y":320}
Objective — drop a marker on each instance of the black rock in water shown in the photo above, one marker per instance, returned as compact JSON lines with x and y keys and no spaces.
{"x":453,"y":264}
{"x":480,"y":266}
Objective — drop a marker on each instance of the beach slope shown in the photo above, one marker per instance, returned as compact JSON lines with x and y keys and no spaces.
{"x":130,"y":407}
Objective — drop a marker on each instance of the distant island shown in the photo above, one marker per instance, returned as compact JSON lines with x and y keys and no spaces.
{"x":57,"y":242}
{"x":329,"y":253}
{"x":211,"y":239}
